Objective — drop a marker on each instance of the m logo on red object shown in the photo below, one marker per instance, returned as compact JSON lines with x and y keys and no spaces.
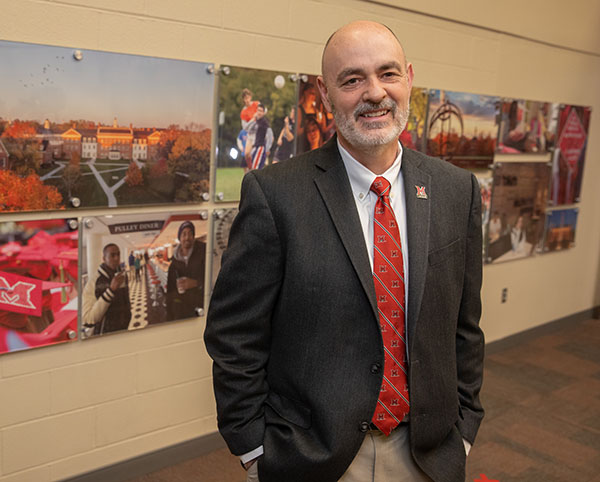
{"x":20,"y":294}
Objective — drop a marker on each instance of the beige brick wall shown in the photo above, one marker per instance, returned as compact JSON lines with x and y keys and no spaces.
{"x":69,"y":409}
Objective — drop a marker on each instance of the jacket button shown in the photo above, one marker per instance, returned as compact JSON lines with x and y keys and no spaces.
{"x":364,"y":426}
{"x":375,"y":368}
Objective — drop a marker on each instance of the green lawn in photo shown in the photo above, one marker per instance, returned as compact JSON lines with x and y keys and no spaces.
{"x":156,"y":191}
{"x":87,"y":189}
{"x":229,"y":181}
{"x":124,"y":162}
{"x":107,"y":174}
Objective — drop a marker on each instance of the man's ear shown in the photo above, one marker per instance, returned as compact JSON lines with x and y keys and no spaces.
{"x":410,"y":73}
{"x":323,"y":91}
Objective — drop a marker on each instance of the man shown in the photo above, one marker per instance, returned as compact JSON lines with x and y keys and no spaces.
{"x":261,"y":136}
{"x":315,"y":378}
{"x":185,"y":278}
{"x":106,"y":303}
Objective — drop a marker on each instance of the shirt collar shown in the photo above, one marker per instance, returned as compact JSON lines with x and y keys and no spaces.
{"x":361,"y":177}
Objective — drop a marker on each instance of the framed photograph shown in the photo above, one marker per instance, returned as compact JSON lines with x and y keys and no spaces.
{"x":223,"y":218}
{"x":141,"y":270}
{"x":414,"y":135}
{"x":99,"y":129}
{"x":255,"y":108}
{"x":462,"y":128}
{"x":38,"y":283}
{"x":560,"y":229}
{"x":315,"y":125}
{"x":569,"y":155}
{"x":518,"y":208}
{"x":527,"y":127}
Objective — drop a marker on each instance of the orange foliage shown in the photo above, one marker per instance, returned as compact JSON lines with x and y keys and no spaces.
{"x":134,"y":175}
{"x":189,"y":140}
{"x":27,"y":193}
{"x":19,"y":130}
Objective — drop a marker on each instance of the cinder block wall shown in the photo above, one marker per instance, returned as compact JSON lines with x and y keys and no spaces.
{"x":69,"y":409}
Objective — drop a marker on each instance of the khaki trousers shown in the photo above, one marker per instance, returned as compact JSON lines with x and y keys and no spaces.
{"x":379,"y":459}
{"x":385,"y":459}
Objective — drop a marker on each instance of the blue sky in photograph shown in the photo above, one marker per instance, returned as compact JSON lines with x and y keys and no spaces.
{"x":42,"y":82}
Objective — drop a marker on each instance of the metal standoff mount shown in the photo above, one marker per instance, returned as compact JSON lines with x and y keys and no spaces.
{"x":204,"y":215}
{"x":89,"y":223}
{"x":199,"y":311}
{"x":75,"y":202}
{"x":78,"y":55}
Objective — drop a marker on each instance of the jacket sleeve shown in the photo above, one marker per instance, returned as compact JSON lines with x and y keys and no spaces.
{"x":469,"y":337}
{"x":94,"y":309}
{"x":238,"y":326}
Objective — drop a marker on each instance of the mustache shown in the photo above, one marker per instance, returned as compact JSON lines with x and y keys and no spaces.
{"x":364,"y":107}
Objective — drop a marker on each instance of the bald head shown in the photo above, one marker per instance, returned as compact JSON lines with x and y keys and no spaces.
{"x":340,"y":42}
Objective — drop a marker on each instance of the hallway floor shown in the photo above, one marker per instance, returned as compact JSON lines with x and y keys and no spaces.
{"x":542,"y":424}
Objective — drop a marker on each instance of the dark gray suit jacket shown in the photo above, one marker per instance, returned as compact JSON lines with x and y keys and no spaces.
{"x":293,"y":329}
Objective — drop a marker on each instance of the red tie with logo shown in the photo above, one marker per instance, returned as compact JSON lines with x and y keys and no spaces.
{"x":388,"y":276}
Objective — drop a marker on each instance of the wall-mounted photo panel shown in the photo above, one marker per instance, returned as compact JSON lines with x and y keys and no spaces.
{"x":315,"y":125}
{"x":569,"y":155}
{"x":38,"y":283}
{"x":97,"y":129}
{"x":560,"y":229}
{"x":519,"y":199}
{"x":413,"y":136}
{"x":255,"y":106}
{"x":485,"y":179}
{"x":462,"y":127}
{"x":222,"y":220}
{"x":142,"y":269}
{"x":527,"y":126}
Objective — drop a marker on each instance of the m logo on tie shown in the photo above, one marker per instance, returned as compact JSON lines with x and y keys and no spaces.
{"x":388,"y":272}
{"x":383,"y":299}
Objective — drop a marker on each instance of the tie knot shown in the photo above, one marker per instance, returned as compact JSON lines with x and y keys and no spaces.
{"x":381,"y":186}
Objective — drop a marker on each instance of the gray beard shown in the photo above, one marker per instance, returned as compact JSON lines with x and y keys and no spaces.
{"x":348,"y":127}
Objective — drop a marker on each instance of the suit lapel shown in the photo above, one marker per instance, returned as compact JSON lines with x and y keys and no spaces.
{"x":334,"y":187}
{"x":417,"y":221}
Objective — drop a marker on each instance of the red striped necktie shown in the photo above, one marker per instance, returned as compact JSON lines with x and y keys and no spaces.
{"x":388,"y":276}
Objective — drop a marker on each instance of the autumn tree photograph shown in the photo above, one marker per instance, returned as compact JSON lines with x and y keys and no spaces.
{"x":144,"y":140}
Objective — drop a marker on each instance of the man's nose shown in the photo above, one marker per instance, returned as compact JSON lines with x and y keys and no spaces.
{"x":374,"y":91}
